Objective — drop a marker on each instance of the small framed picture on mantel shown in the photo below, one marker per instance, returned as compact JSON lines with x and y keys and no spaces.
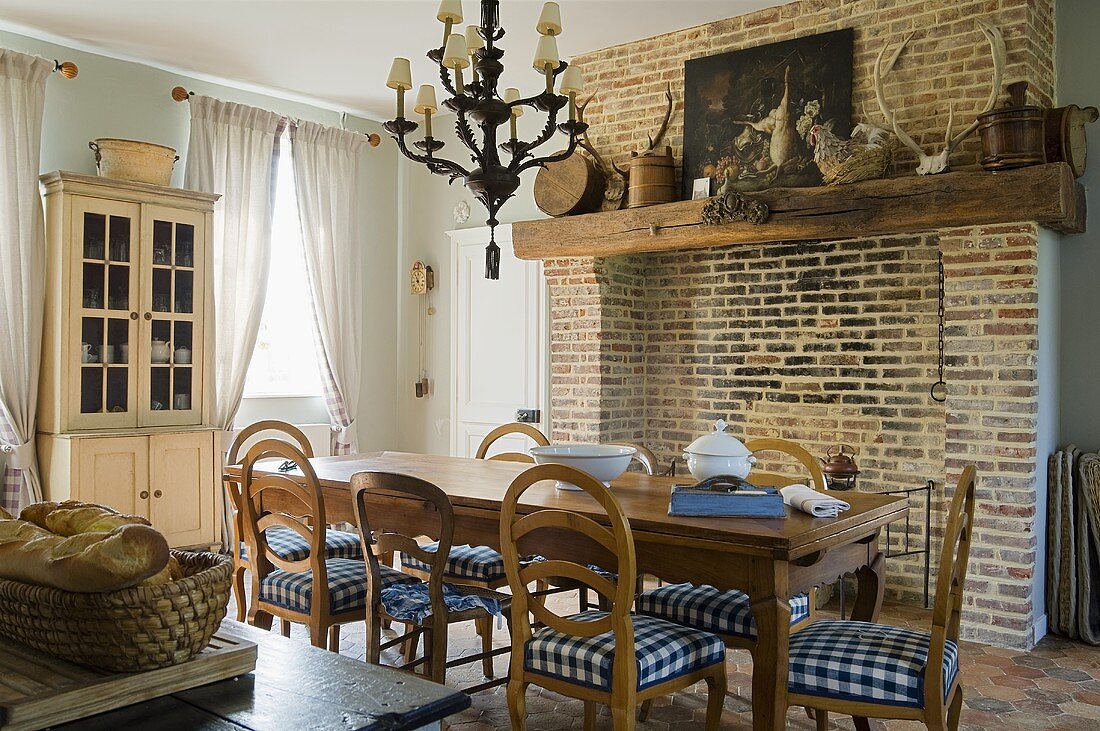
{"x":747,"y":113}
{"x":700,"y":189}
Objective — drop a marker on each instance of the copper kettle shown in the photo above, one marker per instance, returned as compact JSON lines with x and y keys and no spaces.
{"x":840,"y":468}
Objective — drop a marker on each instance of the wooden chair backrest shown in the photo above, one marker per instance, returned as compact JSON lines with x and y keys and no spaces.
{"x":950,"y":582}
{"x":646,"y":458}
{"x":373,"y":493}
{"x":504,"y":430}
{"x":617,"y":540}
{"x":233,"y":487}
{"x":306,"y":517}
{"x":811,"y":464}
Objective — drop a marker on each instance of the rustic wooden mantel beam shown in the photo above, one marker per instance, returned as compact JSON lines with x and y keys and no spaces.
{"x":1046,"y":194}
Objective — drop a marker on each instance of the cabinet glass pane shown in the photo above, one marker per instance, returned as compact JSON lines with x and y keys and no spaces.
{"x":182,"y":359}
{"x":92,"y":286}
{"x":117,"y":388}
{"x":91,"y":389}
{"x":185,"y":245}
{"x":160,"y":366}
{"x":118,"y":287}
{"x":185,"y":291}
{"x":159,"y":388}
{"x":95,"y":234}
{"x":91,"y":339}
{"x":120,"y":239}
{"x":181,"y":388}
{"x":162,"y":289}
{"x":162,"y":243}
{"x":117,"y":350}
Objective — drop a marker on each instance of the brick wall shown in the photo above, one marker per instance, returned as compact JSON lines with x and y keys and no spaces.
{"x":946,"y":63}
{"x":831,"y":342}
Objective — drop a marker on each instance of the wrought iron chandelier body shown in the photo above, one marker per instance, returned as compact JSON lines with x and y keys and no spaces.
{"x":489,"y":179}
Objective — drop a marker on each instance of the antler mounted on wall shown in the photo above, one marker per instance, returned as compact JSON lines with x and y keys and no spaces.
{"x":937,"y":163}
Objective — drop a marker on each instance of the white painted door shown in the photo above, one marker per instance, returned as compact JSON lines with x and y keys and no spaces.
{"x":500,"y":342}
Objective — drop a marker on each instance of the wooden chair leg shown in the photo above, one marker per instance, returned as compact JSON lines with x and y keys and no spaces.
{"x":716,"y":698}
{"x":239,"y":593}
{"x":590,"y":716}
{"x":517,"y":704}
{"x":623,"y":714}
{"x":408,"y":647}
{"x":955,"y":710}
{"x":643,"y":710}
{"x":334,"y":638}
{"x":821,"y":717}
{"x":318,"y":635}
{"x":259,"y":618}
{"x":485,"y":629}
{"x":284,"y":627}
{"x":861,"y":723}
{"x":435,"y":645}
{"x":582,"y":597}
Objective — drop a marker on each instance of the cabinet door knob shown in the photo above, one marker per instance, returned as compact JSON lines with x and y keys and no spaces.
{"x":158,"y":493}
{"x":148,"y":315}
{"x":144,"y":494}
{"x":133,"y":315}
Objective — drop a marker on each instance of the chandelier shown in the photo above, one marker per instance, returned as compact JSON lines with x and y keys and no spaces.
{"x":478,"y":100}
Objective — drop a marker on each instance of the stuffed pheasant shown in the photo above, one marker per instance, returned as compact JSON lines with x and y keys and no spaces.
{"x":866,"y":154}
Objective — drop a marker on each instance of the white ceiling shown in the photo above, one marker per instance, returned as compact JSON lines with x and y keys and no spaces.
{"x":332,"y":52}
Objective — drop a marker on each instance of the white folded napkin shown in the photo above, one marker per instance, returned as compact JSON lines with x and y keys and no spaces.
{"x":808,"y":500}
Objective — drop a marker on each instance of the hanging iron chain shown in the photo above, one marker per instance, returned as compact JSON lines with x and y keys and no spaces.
{"x":939,"y":388}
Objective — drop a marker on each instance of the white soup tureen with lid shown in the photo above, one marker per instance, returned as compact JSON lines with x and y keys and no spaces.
{"x":718,"y":453}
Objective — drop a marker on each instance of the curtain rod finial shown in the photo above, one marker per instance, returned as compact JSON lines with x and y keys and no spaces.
{"x":68,"y":69}
{"x":180,"y":94}
{"x":374,"y":139}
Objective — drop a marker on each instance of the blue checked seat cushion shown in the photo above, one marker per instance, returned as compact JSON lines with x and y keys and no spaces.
{"x":706,"y":608}
{"x":347,"y":586}
{"x":861,"y":661}
{"x":477,"y":563}
{"x":664,"y":651}
{"x":289,"y":546}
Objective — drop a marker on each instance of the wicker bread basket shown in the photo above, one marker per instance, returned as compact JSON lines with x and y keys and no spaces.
{"x":142,"y":628}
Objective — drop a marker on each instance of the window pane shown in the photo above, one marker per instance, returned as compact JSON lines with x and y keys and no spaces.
{"x":284,"y":362}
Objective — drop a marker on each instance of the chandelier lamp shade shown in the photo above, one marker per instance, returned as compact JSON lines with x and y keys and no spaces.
{"x":470,"y":65}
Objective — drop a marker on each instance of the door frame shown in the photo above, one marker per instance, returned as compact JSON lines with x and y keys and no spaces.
{"x":480,"y":234}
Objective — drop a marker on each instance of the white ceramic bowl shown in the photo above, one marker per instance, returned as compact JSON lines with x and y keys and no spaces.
{"x":704,"y":466}
{"x":605,"y":462}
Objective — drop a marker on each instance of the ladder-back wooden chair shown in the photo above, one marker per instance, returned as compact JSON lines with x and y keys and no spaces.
{"x":729,"y":613}
{"x":870,"y":670}
{"x":613,"y":657}
{"x":480,"y":566}
{"x":311,"y":589}
{"x":286,"y":543}
{"x":426,"y":607}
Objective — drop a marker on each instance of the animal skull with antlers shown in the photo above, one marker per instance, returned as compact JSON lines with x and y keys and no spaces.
{"x":932,"y":164}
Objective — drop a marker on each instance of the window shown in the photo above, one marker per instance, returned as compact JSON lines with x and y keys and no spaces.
{"x":285,"y":360}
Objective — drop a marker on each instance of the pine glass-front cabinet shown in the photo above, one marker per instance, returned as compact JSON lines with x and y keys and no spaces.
{"x":127,"y":351}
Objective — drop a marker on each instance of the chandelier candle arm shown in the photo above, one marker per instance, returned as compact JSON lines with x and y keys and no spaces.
{"x":480,"y":103}
{"x":450,"y":14}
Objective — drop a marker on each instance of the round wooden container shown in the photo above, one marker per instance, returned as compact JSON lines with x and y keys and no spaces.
{"x":569,"y":187}
{"x":143,"y":162}
{"x":1012,"y":137}
{"x":652,"y":180}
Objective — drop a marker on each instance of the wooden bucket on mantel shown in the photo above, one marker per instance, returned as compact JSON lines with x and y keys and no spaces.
{"x":652,"y":179}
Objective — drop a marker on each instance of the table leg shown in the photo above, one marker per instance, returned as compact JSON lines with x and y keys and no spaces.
{"x":772,"y":614}
{"x":871,"y":583}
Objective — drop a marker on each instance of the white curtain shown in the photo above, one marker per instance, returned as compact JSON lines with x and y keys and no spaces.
{"x":22,"y":271}
{"x":233,"y":151}
{"x":326,"y":174}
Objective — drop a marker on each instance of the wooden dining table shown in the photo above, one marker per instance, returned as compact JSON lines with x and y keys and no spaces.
{"x":770,"y":559}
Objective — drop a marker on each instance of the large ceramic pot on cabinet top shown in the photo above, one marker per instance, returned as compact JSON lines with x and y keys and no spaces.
{"x":718,"y":453}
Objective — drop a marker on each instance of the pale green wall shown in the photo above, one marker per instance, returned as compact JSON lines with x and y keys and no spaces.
{"x":112,"y":98}
{"x":426,"y":216}
{"x":1076,"y":26}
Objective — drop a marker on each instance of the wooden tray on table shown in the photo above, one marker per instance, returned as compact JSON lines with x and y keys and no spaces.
{"x":37,"y":690}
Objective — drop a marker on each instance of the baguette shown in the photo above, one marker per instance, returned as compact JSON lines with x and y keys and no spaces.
{"x":73,"y":517}
{"x":87,"y":562}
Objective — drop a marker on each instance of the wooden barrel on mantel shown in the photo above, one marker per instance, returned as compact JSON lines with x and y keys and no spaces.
{"x":652,"y":179}
{"x":569,"y":187}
